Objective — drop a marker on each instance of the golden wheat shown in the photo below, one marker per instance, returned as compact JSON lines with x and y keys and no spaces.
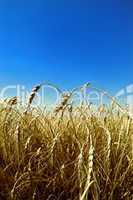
{"x":80,"y":155}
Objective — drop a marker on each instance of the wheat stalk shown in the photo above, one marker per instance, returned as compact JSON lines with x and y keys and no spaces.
{"x":64,"y":101}
{"x":33,"y":94}
{"x":12,"y":101}
{"x":17,"y":135}
{"x":79,"y":165}
{"x":90,"y":169}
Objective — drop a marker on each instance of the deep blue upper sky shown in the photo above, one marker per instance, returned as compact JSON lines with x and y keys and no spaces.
{"x":68,"y":42}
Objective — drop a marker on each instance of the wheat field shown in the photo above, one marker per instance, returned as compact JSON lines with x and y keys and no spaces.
{"x":71,"y":153}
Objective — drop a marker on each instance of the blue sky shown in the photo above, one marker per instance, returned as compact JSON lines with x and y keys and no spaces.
{"x":67,"y":42}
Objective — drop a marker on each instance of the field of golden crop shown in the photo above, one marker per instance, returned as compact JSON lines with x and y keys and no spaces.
{"x":66,"y":154}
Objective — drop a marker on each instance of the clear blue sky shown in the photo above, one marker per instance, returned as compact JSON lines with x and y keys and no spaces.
{"x":67,"y":42}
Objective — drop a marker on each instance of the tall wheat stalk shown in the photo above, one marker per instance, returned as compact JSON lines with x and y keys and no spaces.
{"x":90,"y":169}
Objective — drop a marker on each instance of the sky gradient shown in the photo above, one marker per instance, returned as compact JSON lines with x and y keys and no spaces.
{"x":67,"y":42}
